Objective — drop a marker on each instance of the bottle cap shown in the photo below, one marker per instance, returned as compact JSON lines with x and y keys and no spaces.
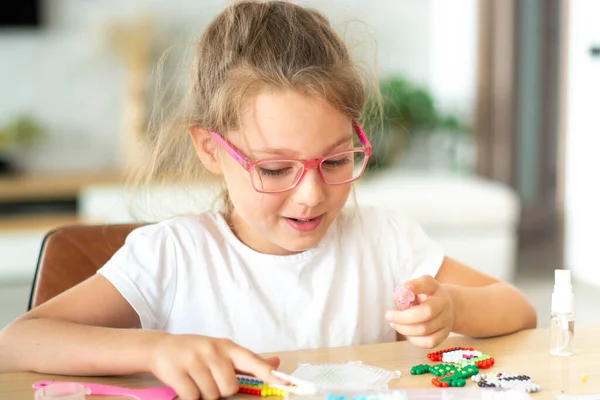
{"x":562,"y":297}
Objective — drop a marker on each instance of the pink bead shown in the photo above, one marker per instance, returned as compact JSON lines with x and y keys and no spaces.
{"x":403,"y":297}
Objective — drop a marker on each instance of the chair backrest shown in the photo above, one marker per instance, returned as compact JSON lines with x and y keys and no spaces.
{"x":69,"y":255}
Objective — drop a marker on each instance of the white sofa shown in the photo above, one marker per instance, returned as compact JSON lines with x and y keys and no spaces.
{"x":473,"y":218}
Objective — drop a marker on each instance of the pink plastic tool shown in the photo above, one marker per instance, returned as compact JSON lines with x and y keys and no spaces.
{"x":403,"y":297}
{"x":96,"y":389}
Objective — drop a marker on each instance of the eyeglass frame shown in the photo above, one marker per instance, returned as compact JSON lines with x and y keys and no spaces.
{"x":307,"y":164}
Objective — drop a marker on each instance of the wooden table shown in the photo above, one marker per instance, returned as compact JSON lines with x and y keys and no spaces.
{"x":524,"y":353}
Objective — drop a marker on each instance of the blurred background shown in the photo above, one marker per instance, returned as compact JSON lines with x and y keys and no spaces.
{"x":490,"y":137}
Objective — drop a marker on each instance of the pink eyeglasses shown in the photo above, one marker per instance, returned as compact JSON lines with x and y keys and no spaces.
{"x":276,"y":175}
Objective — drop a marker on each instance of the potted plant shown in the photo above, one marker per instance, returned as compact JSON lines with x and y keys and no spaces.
{"x":21,"y":132}
{"x":407,"y":112}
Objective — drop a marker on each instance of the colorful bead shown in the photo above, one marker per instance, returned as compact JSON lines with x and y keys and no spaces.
{"x":256,"y":387}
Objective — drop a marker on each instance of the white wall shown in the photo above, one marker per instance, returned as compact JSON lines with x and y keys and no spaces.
{"x":66,"y":75}
{"x":582,"y":169}
{"x":453,"y":49}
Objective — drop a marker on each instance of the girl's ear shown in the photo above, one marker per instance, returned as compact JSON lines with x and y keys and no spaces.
{"x":206,"y":149}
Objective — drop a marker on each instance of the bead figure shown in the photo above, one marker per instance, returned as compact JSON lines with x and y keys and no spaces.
{"x":506,"y":380}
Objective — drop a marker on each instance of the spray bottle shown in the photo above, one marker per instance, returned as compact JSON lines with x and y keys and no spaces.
{"x":562,"y":317}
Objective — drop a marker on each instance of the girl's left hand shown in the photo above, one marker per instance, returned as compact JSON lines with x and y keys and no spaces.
{"x":430,"y":322}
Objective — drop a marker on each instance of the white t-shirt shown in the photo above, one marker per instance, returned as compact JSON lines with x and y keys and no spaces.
{"x":193,"y":275}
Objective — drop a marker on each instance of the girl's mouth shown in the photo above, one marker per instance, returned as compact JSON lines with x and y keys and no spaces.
{"x":304,"y":225}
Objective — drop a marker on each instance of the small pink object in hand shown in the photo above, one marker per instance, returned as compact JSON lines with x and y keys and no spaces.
{"x":403,"y":297}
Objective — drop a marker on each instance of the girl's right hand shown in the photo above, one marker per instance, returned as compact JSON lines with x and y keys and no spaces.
{"x":204,"y":367}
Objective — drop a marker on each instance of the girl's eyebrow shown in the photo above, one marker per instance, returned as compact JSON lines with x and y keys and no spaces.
{"x":293,"y":153}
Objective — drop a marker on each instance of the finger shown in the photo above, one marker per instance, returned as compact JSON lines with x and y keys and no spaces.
{"x":430,"y":341}
{"x":205,"y":382}
{"x":425,"y":284}
{"x":417,"y":314}
{"x":274,"y":362}
{"x":249,"y":363}
{"x":422,"y":329}
{"x":223,"y":373}
{"x":183,"y":384}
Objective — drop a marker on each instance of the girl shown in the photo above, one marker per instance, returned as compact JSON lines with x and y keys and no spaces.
{"x":274,"y":107}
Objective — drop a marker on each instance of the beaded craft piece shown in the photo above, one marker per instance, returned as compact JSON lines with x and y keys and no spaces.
{"x":506,"y":380}
{"x":458,"y":364}
{"x":462,"y":356}
{"x":256,"y":387}
{"x":446,"y":374}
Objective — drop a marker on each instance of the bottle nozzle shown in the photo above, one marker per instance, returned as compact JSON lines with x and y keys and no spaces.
{"x":562,"y":279}
{"x":562,"y":297}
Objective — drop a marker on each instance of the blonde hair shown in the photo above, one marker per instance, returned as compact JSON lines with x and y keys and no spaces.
{"x":248,"y":46}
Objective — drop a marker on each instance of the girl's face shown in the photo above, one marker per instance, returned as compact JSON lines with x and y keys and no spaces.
{"x":285,"y":125}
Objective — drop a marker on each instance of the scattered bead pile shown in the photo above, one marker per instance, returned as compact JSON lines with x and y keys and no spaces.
{"x":506,"y":380}
{"x":257,"y":387}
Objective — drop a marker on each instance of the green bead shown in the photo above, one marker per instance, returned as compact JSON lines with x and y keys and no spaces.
{"x":419,"y":369}
{"x":459,"y":382}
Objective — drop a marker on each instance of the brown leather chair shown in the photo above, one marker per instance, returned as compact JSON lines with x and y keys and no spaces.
{"x":71,"y":254}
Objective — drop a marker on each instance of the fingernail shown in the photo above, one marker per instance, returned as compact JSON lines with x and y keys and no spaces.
{"x":392,"y":325}
{"x":388,"y":316}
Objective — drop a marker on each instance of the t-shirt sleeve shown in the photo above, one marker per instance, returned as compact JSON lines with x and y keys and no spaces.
{"x":144,"y":271}
{"x":415,"y":254}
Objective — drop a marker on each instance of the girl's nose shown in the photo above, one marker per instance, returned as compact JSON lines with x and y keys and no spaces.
{"x":310,"y":192}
